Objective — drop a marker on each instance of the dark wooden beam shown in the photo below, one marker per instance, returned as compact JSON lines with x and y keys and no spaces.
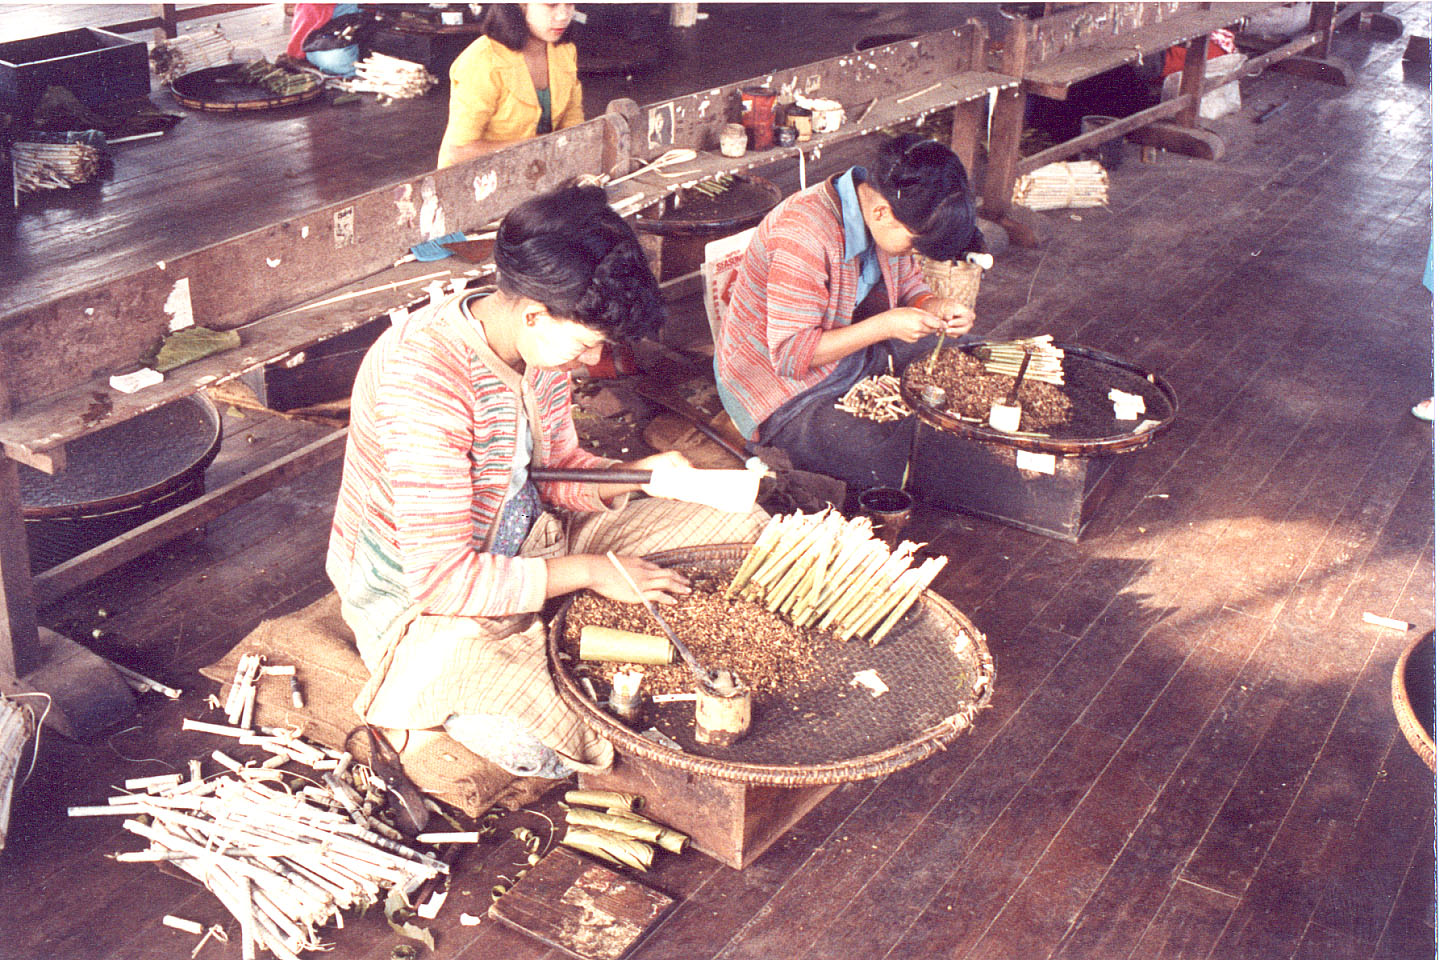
{"x":64,"y":577}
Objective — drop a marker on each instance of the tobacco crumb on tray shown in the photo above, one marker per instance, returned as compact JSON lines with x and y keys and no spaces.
{"x":770,"y":654}
{"x":970,"y":391}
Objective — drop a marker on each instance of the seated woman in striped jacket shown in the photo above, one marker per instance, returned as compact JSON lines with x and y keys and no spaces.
{"x":827,"y":295}
{"x":444,"y":549}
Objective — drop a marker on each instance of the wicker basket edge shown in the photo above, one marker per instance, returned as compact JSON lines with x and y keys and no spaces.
{"x":897,"y":757}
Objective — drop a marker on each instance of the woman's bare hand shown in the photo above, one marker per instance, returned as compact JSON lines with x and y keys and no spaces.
{"x":658,"y":584}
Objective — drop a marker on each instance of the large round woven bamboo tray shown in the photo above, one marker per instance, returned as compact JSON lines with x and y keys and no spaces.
{"x":1084,"y":369}
{"x":222,"y":90}
{"x":118,"y":478}
{"x":935,"y":662}
{"x":1412,"y":693}
{"x":738,"y":208}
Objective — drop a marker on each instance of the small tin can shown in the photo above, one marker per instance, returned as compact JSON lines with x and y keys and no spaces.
{"x":786,"y":136}
{"x":732,"y":140}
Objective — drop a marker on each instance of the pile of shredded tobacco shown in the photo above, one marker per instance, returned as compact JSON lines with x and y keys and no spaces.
{"x":770,"y":654}
{"x":970,"y":391}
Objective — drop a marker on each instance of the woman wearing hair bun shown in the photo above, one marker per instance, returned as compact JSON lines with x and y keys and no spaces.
{"x":519,"y":80}
{"x":443,"y":549}
{"x":827,"y":295}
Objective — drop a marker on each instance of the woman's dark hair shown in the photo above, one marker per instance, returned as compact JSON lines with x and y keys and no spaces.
{"x":505,"y":23}
{"x":926,"y":187}
{"x":569,"y":251}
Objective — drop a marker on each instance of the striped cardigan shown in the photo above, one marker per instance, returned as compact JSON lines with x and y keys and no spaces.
{"x":433,"y":431}
{"x":793,"y":284}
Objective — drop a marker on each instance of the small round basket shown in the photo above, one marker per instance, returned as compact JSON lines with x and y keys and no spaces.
{"x":934,"y":661}
{"x":1412,"y":693}
{"x":956,"y":279}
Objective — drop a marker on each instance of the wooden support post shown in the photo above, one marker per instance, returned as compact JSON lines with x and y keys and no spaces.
{"x":19,"y":636}
{"x":1316,"y":63}
{"x":86,"y":694}
{"x":165,"y":13}
{"x":967,"y":126}
{"x":1192,"y":81}
{"x":1322,"y":20}
{"x":624,"y":136}
{"x":1007,"y":124}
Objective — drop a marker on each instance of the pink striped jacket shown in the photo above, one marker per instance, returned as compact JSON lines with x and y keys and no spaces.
{"x":433,"y":432}
{"x":793,"y":284}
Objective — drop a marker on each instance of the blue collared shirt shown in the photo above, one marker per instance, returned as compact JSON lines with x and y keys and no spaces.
{"x":858,"y":242}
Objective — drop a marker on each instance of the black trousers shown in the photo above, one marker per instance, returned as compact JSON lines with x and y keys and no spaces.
{"x":862,"y":452}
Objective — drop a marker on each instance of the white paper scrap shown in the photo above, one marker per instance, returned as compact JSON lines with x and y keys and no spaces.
{"x":871,"y":681}
{"x":182,"y":315}
{"x":469,"y":920}
{"x":138,"y":380}
{"x":1036,"y":462}
{"x":1128,"y":406}
{"x":430,"y":909}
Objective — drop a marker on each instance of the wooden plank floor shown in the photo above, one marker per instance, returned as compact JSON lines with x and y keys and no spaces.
{"x":1191,"y":751}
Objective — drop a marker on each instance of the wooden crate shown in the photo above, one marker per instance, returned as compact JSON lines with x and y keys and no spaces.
{"x":97,"y":66}
{"x":732,"y":822}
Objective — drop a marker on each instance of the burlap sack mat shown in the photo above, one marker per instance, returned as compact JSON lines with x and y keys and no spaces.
{"x":330,"y":672}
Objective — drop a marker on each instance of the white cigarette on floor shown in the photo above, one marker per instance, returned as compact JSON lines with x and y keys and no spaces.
{"x":140,"y":136}
{"x":200,"y":726}
{"x":1379,"y":621}
{"x":470,"y":836}
{"x":672,"y":697}
{"x":180,"y":923}
{"x":144,"y":783}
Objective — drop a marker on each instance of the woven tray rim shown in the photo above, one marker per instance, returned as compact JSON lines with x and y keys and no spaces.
{"x":1410,"y":725}
{"x":1071,"y":447}
{"x":868,"y":766}
{"x":194,"y":101}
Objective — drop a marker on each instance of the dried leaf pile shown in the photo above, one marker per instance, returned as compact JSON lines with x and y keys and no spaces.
{"x":970,"y":391}
{"x":770,"y":654}
{"x":278,"y":79}
{"x":606,"y":824}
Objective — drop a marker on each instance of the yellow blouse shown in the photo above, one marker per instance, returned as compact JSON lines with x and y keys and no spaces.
{"x":493,"y":98}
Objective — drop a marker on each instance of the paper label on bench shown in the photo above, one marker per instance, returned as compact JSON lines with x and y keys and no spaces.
{"x":1037,"y":462}
{"x":136,"y":380}
{"x":178,"y":305}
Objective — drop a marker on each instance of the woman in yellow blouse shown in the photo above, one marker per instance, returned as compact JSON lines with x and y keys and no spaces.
{"x":517,"y":81}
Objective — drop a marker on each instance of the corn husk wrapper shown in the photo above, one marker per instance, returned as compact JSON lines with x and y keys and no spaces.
{"x":611,"y":846}
{"x":604,"y":799}
{"x":632,"y":826}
